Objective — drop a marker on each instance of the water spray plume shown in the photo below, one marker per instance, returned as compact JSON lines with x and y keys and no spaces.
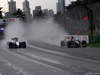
{"x":46,"y":31}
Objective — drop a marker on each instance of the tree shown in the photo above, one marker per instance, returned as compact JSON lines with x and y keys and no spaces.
{"x":39,"y":14}
{"x":19,"y":14}
{"x":58,"y":13}
{"x":89,"y":2}
{"x":1,"y":16}
{"x":76,"y":3}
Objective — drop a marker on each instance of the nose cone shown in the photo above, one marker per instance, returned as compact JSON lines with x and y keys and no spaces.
{"x":17,"y":43}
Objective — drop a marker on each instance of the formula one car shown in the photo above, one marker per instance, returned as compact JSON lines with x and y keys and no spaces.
{"x":72,"y":43}
{"x":75,"y":43}
{"x":16,"y":43}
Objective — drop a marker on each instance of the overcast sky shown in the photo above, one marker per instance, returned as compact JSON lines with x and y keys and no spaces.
{"x":46,"y":4}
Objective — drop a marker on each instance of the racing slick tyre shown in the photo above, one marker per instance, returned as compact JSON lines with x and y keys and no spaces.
{"x":68,"y":44}
{"x":24,"y":44}
{"x":84,"y":43}
{"x":11,"y":45}
{"x":62,"y":43}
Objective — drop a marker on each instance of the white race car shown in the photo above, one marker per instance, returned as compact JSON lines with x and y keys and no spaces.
{"x":16,"y":43}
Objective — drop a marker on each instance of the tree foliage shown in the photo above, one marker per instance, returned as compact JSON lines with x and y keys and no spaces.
{"x":89,"y":2}
{"x":19,"y":14}
{"x":76,"y":3}
{"x":58,"y":13}
{"x":39,"y":14}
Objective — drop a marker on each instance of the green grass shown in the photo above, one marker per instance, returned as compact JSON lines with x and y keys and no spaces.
{"x":1,"y":37}
{"x":97,"y":45}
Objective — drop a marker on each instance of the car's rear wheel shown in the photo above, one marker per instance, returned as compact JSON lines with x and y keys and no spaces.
{"x":24,"y":44}
{"x":10,"y":45}
{"x":62,"y":43}
{"x":84,"y":43}
{"x":68,"y":44}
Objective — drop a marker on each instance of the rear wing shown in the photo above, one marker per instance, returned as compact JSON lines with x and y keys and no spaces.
{"x":66,"y":38}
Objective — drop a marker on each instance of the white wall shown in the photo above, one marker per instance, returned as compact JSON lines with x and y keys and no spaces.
{"x":8,"y":20}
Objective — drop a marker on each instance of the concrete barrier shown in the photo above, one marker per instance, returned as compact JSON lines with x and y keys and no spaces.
{"x":78,"y":37}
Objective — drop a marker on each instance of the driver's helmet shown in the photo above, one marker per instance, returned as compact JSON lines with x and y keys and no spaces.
{"x":16,"y":39}
{"x":72,"y":38}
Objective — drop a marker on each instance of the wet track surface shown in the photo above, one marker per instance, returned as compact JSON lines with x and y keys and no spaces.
{"x":44,"y":59}
{"x":89,"y":53}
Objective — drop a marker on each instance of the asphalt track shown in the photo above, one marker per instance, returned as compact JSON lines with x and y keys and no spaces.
{"x":40,"y":58}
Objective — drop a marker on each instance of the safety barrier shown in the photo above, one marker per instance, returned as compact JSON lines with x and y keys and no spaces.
{"x":1,"y":37}
{"x":94,"y":39}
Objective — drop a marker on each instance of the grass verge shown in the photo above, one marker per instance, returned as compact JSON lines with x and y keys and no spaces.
{"x":97,"y":45}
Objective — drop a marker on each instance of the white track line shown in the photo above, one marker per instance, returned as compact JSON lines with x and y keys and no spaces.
{"x":63,"y":54}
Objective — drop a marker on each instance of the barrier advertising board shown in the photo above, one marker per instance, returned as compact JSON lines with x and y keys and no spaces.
{"x":78,"y":37}
{"x":8,"y":20}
